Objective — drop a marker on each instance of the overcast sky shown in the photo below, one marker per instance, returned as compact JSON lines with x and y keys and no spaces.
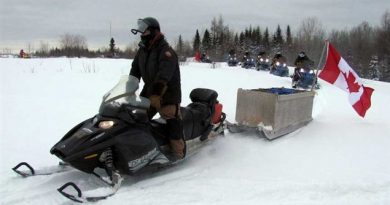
{"x":26,"y":22}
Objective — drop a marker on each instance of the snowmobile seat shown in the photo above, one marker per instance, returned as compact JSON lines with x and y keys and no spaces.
{"x":203,"y":95}
{"x":196,"y":116}
{"x":201,"y":109}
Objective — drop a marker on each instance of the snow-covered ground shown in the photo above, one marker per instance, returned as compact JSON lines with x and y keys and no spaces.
{"x":339,"y":158}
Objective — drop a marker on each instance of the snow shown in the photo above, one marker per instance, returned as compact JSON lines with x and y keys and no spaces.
{"x":338,"y":158}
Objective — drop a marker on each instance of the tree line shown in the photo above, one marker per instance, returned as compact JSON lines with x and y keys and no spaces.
{"x":74,"y":45}
{"x":366,"y":48}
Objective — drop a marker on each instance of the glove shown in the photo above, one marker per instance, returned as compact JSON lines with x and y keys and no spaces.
{"x":158,"y":88}
{"x":155,"y":101}
{"x":157,"y":91}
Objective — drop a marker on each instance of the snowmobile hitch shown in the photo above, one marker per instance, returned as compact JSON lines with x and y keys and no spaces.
{"x":24,"y":174}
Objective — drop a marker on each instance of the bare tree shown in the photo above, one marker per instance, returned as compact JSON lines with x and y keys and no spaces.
{"x":43,"y":49}
{"x":30,"y":48}
{"x":310,"y":37}
{"x":361,"y":44}
{"x":73,"y":45}
{"x":383,"y":46}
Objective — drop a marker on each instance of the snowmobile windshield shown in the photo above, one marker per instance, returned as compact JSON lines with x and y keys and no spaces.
{"x":124,"y":92}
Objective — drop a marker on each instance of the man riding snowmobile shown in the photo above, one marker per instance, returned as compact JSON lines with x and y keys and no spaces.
{"x":248,"y":61}
{"x":122,"y":138}
{"x":304,"y":75}
{"x":262,"y":62}
{"x":232,"y":59}
{"x":279,"y":65}
{"x":157,"y":64}
{"x":204,"y":58}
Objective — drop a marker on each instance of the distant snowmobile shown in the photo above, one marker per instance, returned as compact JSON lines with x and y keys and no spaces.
{"x":232,"y":60}
{"x":279,"y":69}
{"x":304,"y":78}
{"x":122,"y":140}
{"x":248,"y":61}
{"x":205,"y":58}
{"x":262,"y":63}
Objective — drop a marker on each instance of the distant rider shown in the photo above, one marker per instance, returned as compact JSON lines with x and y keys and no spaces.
{"x":301,"y":62}
{"x":278,"y":57}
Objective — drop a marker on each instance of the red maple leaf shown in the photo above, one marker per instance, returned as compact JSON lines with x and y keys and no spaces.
{"x":353,"y":86}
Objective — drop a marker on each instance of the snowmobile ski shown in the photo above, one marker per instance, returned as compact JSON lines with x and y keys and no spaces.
{"x":81,"y":198}
{"x":61,"y":167}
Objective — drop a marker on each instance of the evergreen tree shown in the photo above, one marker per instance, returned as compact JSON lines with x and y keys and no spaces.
{"x":266,"y":39}
{"x":278,"y":39}
{"x":241,"y":44}
{"x":206,"y":41}
{"x":112,"y":47}
{"x":258,"y":35}
{"x":196,"y":44}
{"x":373,"y":72}
{"x":288,"y":36}
{"x":179,"y":47}
{"x":236,"y":39}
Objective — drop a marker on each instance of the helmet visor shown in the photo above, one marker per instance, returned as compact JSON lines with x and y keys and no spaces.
{"x":141,"y":27}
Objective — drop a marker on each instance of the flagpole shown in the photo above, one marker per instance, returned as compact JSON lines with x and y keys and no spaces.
{"x":319,"y":63}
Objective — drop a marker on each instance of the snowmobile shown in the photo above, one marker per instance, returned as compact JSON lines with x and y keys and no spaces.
{"x":262,"y":63}
{"x":205,"y":58}
{"x":305,"y":79}
{"x":121,"y":140}
{"x":232,"y":60}
{"x":248,"y":62}
{"x":279,"y":69}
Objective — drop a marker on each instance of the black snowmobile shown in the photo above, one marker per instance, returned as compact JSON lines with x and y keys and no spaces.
{"x":232,"y":60}
{"x":305,"y":79}
{"x":262,"y":62}
{"x":248,"y":61}
{"x":205,"y":58}
{"x":280,"y":69}
{"x":121,"y":139}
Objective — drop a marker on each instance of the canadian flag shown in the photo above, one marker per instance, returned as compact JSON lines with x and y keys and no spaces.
{"x":337,"y":72}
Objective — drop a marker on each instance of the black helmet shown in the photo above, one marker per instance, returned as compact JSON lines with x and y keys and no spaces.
{"x":146,"y":23}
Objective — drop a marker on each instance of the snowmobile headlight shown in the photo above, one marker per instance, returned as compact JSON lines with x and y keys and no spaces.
{"x":261,"y":59}
{"x":284,"y":65}
{"x":302,"y":70}
{"x":106,"y":124}
{"x":266,"y":60}
{"x":311,"y":72}
{"x":235,"y":58}
{"x":277,"y":63}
